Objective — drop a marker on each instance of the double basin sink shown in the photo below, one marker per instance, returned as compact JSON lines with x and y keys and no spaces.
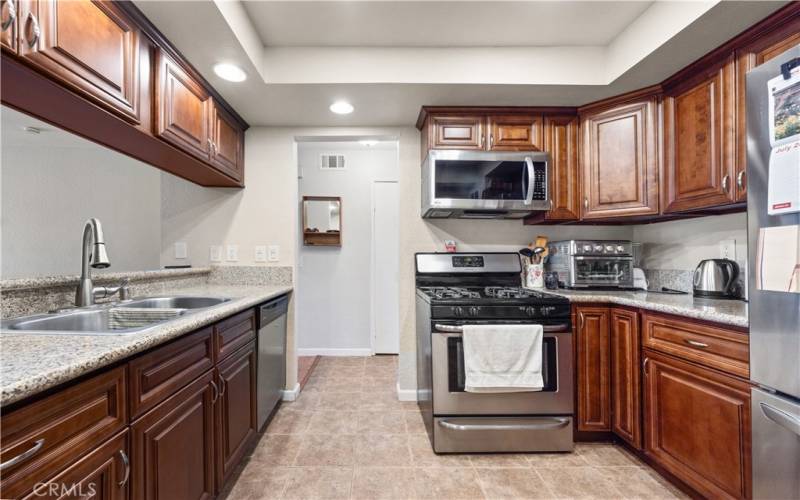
{"x":117,"y":318}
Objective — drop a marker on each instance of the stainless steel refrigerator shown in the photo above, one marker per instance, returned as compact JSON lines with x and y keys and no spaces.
{"x":773,"y":127}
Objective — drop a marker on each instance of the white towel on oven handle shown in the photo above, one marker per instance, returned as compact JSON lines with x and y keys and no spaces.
{"x":503,"y":358}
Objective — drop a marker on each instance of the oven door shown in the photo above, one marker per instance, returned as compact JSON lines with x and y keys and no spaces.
{"x":449,"y":397}
{"x":601,"y":271}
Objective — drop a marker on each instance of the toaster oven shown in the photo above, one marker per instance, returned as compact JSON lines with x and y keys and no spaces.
{"x":591,"y":263}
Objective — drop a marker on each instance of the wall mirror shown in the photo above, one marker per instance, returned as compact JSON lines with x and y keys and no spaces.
{"x":322,"y":220}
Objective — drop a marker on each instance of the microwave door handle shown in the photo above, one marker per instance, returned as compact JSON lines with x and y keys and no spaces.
{"x":529,"y":165}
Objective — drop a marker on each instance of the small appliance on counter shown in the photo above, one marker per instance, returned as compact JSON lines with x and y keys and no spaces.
{"x":592,"y":263}
{"x":639,"y":279}
{"x":717,"y":279}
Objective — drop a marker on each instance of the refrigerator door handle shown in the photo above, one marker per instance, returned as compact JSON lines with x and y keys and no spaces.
{"x":781,"y":418}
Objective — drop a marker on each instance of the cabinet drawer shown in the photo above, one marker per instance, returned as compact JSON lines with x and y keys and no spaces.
{"x":57,"y":430}
{"x":712,"y":346}
{"x":234,"y":333}
{"x":158,"y":374}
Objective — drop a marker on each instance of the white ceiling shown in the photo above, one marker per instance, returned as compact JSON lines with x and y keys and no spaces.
{"x":440,"y":24}
{"x":388,"y":58}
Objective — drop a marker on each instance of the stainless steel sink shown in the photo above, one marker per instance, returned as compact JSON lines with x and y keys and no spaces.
{"x":182,"y":302}
{"x":113,"y":318}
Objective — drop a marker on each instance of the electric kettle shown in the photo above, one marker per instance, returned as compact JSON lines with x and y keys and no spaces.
{"x":716,"y":278}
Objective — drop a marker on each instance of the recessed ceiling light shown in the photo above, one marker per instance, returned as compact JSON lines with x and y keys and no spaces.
{"x":368,"y":143}
{"x":230,"y":72}
{"x":342,"y":108}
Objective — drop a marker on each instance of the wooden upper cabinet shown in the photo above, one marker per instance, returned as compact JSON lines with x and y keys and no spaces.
{"x":90,"y":46}
{"x":227,"y":143}
{"x":8,"y":24}
{"x":626,"y":402}
{"x":620,"y":163}
{"x":183,"y":108}
{"x":699,"y":139}
{"x":561,"y":141}
{"x":456,"y":132}
{"x":697,"y":426}
{"x":515,"y":133}
{"x":594,"y":386}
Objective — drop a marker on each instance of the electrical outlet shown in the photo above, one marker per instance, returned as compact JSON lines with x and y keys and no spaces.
{"x":274,"y":253}
{"x":180,"y":250}
{"x":727,"y":249}
{"x":261,"y":253}
{"x":215,"y":253}
{"x":232,"y":254}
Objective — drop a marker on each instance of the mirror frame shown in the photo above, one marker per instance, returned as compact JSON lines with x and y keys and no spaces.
{"x":312,"y":238}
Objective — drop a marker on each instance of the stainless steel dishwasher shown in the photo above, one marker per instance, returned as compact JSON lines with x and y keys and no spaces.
{"x":271,"y":355}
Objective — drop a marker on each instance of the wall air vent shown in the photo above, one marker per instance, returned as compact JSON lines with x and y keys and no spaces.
{"x":331,"y":162}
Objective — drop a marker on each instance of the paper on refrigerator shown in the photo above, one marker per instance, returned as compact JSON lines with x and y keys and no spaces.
{"x":778,"y":259}
{"x":783,"y":185}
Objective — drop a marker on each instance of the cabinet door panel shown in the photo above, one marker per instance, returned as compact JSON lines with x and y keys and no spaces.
{"x":626,"y":377}
{"x":620,"y":161}
{"x":236,"y":410}
{"x":9,"y":20}
{"x":594,"y":411}
{"x":698,"y":426}
{"x":561,"y":141}
{"x":103,"y":474}
{"x":183,"y":109}
{"x":91,"y":46}
{"x":173,"y":446}
{"x":515,"y":133}
{"x":228,"y":144}
{"x":699,"y":142}
{"x":457,"y":132}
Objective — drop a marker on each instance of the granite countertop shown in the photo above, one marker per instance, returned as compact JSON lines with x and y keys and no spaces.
{"x":32,"y":363}
{"x":729,"y":312}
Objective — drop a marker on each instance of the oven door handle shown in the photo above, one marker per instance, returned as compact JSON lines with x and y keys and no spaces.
{"x":552,"y":423}
{"x":560,"y":327}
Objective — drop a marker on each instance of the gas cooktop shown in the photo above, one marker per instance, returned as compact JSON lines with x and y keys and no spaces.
{"x":487,"y":294}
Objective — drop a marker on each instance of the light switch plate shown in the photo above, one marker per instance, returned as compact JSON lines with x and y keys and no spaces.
{"x":232,"y":255}
{"x":261,"y":253}
{"x":274,"y":253}
{"x":727,"y":249}
{"x":215,"y":253}
{"x":180,"y":250}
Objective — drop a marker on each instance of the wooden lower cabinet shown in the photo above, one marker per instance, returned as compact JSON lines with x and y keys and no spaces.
{"x":626,"y":401}
{"x":593,"y":367}
{"x":697,"y":425}
{"x":235,"y":410}
{"x":103,"y":474}
{"x":173,"y":445}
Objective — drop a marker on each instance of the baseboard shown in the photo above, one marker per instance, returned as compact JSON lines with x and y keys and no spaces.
{"x":406,"y":394}
{"x":335,"y":352}
{"x":291,"y":394}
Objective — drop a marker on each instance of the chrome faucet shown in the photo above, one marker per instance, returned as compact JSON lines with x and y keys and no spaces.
{"x":93,"y":255}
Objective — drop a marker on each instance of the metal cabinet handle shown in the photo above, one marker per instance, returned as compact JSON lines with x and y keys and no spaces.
{"x":37,"y":445}
{"x":740,"y":180}
{"x":491,"y":141}
{"x":781,"y":418}
{"x":215,"y":397}
{"x":480,"y":142}
{"x":555,"y":423}
{"x":586,"y":202}
{"x":12,"y":14}
{"x":726,"y":182}
{"x":36,"y":30}
{"x":127,"y":463}
{"x":695,"y":343}
{"x":222,"y":386}
{"x":644,"y":365}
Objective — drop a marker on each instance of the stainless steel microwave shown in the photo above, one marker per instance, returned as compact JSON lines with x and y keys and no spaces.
{"x":484,"y":184}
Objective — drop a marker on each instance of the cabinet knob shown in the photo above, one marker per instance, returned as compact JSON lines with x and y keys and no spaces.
{"x":740,"y":180}
{"x":35,"y":30}
{"x":12,"y":15}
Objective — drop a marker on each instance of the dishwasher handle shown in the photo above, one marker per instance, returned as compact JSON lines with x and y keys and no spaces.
{"x":272,"y":310}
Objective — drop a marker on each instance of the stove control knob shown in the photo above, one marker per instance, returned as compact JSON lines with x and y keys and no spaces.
{"x":620,"y":248}
{"x":473,"y":311}
{"x":610,"y":248}
{"x":530,"y":311}
{"x":598,"y":248}
{"x":458,"y":311}
{"x":587,"y":248}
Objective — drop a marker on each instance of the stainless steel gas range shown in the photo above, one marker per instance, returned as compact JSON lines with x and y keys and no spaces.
{"x":454,"y":289}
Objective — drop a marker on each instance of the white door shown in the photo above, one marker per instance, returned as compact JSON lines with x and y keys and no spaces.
{"x":385,"y":268}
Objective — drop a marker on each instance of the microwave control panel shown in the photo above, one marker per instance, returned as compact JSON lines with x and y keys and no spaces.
{"x":540,"y":181}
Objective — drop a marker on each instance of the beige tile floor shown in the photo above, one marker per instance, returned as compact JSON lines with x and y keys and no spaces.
{"x":348,"y":437}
